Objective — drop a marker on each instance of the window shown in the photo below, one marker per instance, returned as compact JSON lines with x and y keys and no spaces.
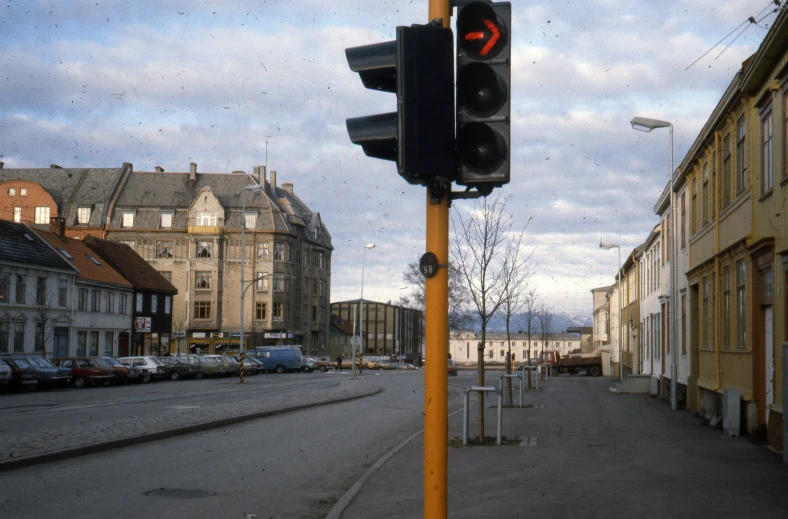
{"x":204,"y":249}
{"x":683,"y":220}
{"x":23,"y":191}
{"x":741,"y":160}
{"x":19,"y":337}
{"x":250,"y":220}
{"x":167,"y":305}
{"x":262,"y":280}
{"x":62,"y":292}
{"x":202,"y":280}
{"x":726,"y":307}
{"x":726,"y":170}
{"x":262,"y":250}
{"x":124,"y":304}
{"x":314,"y":313}
{"x":127,"y":219}
{"x":683,"y":324}
{"x":164,"y":249}
{"x":18,"y":214}
{"x":109,"y":340}
{"x":41,"y":291}
{"x":704,"y":329}
{"x":202,"y":309}
{"x":130,"y":243}
{"x":39,"y":338}
{"x":741,"y":335}
{"x":154,"y":304}
{"x":785,"y":135}
{"x":82,"y":343}
{"x":110,"y":302}
{"x":165,"y":221}
{"x":704,"y":217}
{"x":83,"y":299}
{"x":767,"y":154}
{"x":94,"y":260}
{"x":21,"y":288}
{"x":94,"y":343}
{"x":278,"y":311}
{"x":280,"y":282}
{"x":205,"y":219}
{"x":4,"y":336}
{"x":279,"y":251}
{"x":694,"y":207}
{"x":138,"y":307}
{"x":11,"y":191}
{"x":5,"y":287}
{"x":42,"y":215}
{"x":83,"y":215}
{"x":95,"y":299}
{"x":260,"y":311}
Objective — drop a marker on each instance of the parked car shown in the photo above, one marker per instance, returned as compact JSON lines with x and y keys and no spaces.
{"x":6,"y":374}
{"x":176,"y":368}
{"x":150,"y":367}
{"x":231,"y":367}
{"x":324,"y":364}
{"x":86,"y":371}
{"x":124,"y":374}
{"x":279,"y":358}
{"x":453,"y":368}
{"x":209,"y":367}
{"x":252,"y":366}
{"x":310,"y":365}
{"x":35,"y":372}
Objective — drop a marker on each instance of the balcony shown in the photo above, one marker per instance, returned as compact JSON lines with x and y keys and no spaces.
{"x":206,"y":229}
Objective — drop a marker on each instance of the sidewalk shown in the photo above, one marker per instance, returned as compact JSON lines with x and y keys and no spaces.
{"x":43,"y":446}
{"x":591,"y":454}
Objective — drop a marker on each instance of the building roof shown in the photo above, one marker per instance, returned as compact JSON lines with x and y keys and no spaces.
{"x":20,"y":244}
{"x":131,"y":265}
{"x":82,"y":257}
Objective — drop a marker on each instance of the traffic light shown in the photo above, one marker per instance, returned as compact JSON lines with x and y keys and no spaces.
{"x":419,"y":136}
{"x":483,"y":94}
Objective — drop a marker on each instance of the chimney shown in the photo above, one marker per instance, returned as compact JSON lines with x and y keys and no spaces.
{"x":57,"y":225}
{"x":273,"y":180}
{"x":55,"y":166}
{"x":192,"y":171}
{"x":288,"y":186}
{"x":2,"y":164}
{"x":159,"y":169}
{"x":261,"y":175}
{"x":238,"y":172}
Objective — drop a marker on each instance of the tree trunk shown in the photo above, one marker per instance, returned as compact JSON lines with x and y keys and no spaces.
{"x":480,"y":356}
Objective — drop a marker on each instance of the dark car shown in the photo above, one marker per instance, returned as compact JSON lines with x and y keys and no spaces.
{"x":44,"y":374}
{"x":22,"y":374}
{"x":176,"y":368}
{"x":123,"y":374}
{"x":453,"y":368}
{"x":86,"y":371}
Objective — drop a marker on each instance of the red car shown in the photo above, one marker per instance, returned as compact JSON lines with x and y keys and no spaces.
{"x":85,"y":370}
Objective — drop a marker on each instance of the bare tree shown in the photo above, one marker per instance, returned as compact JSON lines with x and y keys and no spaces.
{"x":527,"y":319}
{"x":44,"y":305}
{"x":459,"y":316}
{"x":478,"y":249}
{"x":516,"y":278}
{"x":544,"y":323}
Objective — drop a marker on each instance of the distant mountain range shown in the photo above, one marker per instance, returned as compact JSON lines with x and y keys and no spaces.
{"x":560,"y":323}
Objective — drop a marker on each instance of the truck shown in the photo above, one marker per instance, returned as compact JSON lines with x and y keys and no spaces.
{"x":590,"y":364}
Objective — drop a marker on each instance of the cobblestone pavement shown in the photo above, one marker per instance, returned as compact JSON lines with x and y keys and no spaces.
{"x":43,"y":446}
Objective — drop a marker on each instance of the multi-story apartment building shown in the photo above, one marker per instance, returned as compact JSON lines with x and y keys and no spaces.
{"x":630,"y":312}
{"x":652,"y":306}
{"x":388,"y":330}
{"x":602,"y":326}
{"x":188,"y":226}
{"x":464,"y":345}
{"x":36,"y":288}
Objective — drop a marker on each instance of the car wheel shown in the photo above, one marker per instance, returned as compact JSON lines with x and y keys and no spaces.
{"x":35,"y":387}
{"x":594,"y":371}
{"x":323,"y":369}
{"x":280,"y":369}
{"x":79,"y":382}
{"x":175,"y":375}
{"x":199,"y":375}
{"x":145,"y":377}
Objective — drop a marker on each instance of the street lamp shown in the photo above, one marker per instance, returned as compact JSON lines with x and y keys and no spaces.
{"x":361,"y":302}
{"x":608,"y":246}
{"x":241,"y":350}
{"x":643,"y":124}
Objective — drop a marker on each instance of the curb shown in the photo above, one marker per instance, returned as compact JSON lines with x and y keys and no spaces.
{"x":159,"y":435}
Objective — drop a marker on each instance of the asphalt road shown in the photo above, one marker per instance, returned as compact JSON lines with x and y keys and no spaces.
{"x":296,"y":464}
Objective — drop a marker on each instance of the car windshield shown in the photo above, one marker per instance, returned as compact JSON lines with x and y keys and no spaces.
{"x":38,"y":361}
{"x":156,"y":361}
{"x":22,"y":363}
{"x":111,"y":361}
{"x":104,"y":363}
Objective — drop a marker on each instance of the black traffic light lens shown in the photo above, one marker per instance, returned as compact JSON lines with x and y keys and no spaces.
{"x":480,"y":148}
{"x":480,"y":90}
{"x":480,"y":33}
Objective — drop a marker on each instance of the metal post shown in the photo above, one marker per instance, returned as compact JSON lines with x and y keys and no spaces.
{"x":243,"y":268}
{"x":673,"y":298}
{"x":620,"y":319}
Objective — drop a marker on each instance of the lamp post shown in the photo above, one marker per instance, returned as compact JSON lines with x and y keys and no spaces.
{"x":644,"y":124}
{"x":241,"y":350}
{"x":361,"y":302}
{"x":608,"y":246}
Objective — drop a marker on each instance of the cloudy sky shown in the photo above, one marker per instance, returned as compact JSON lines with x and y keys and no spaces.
{"x":162,"y":83}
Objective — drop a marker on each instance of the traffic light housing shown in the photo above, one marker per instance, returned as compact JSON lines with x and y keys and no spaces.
{"x":483,"y":94}
{"x":419,"y":136}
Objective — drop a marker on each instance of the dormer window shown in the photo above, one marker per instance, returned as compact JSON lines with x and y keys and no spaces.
{"x":127,"y":219}
{"x":165,"y":221}
{"x":250,"y":220}
{"x":11,"y":191}
{"x":83,"y":215}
